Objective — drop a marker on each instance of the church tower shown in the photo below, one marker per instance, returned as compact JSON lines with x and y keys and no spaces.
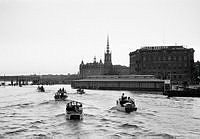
{"x":107,"y":55}
{"x":107,"y":60}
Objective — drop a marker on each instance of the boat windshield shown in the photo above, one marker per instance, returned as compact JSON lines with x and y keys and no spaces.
{"x":74,"y":103}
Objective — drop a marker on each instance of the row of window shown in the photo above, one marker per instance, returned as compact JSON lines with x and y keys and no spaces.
{"x":165,"y":66}
{"x":164,"y":58}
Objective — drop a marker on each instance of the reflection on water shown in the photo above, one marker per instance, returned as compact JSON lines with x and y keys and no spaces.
{"x":26,"y":113}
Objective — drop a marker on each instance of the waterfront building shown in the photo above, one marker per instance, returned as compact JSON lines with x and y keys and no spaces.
{"x":196,"y":73}
{"x":100,"y":68}
{"x":165,"y":62}
{"x":121,"y":82}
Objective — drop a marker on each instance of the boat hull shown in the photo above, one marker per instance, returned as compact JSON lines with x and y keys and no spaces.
{"x":126,"y":109}
{"x":58,"y":98}
{"x":74,"y":116}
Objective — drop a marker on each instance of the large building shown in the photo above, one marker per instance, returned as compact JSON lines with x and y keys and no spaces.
{"x":100,"y":68}
{"x":165,"y":62}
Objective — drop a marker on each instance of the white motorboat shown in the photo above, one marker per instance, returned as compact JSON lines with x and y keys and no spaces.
{"x":126,"y":105}
{"x":74,"y":110}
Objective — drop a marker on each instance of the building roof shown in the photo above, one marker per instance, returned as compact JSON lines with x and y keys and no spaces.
{"x":161,"y":48}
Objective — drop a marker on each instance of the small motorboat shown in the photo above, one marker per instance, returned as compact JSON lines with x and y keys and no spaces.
{"x":126,"y":105}
{"x":40,"y":89}
{"x":80,"y":91}
{"x":74,"y":110}
{"x":61,"y":94}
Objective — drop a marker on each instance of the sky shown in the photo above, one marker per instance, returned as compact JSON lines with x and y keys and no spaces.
{"x":54,"y":36}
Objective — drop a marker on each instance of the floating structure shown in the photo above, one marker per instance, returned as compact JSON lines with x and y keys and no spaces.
{"x":183,"y":92}
{"x":80,"y":91}
{"x":74,"y":110}
{"x":60,"y":95}
{"x":126,"y":105}
{"x":120,"y":82}
{"x":40,"y":89}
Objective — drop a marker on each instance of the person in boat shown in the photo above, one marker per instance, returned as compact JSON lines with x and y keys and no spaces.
{"x":62,"y":94}
{"x":131,"y":101}
{"x":42,"y":88}
{"x":123,"y":99}
{"x":59,"y":90}
{"x":63,"y":89}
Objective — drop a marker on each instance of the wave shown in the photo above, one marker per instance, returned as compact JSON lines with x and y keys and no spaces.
{"x":91,"y":107}
{"x":105,"y":120}
{"x":113,"y":108}
{"x":51,"y":102}
{"x":123,"y":135}
{"x":38,"y":122}
{"x":196,"y":118}
{"x":34,"y":126}
{"x":89,"y":115}
{"x":127,"y":125}
{"x":163,"y":135}
{"x":16,"y":131}
{"x":40,"y":135}
{"x":19,"y":105}
{"x":146,"y":114}
{"x":59,"y":115}
{"x":43,"y":103}
{"x":109,"y":120}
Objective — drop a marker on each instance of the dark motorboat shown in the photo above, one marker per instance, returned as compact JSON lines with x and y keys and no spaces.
{"x":80,"y":91}
{"x":61,"y":94}
{"x":74,"y":110}
{"x":183,"y":92}
{"x":40,"y":89}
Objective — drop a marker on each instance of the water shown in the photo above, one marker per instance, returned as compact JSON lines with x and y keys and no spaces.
{"x":26,"y":113}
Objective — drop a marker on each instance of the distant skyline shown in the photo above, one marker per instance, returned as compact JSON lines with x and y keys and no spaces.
{"x":54,"y":36}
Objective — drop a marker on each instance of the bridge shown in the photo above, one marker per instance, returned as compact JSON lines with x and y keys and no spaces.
{"x":20,"y":80}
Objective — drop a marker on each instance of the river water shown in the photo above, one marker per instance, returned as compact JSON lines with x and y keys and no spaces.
{"x":26,"y":113}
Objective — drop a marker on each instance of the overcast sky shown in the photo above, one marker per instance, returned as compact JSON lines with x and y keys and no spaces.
{"x":54,"y":36}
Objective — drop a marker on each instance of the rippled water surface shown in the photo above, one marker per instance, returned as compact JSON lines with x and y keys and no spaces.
{"x":26,"y":113}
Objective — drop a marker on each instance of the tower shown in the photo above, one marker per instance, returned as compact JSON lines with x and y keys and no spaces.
{"x":107,"y":55}
{"x":107,"y":60}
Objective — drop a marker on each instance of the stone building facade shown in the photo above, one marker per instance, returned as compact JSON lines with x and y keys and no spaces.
{"x":100,"y":68}
{"x":165,"y":62}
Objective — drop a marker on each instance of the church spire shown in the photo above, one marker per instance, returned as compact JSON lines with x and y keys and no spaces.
{"x":107,"y":40}
{"x":107,"y":55}
{"x":107,"y":44}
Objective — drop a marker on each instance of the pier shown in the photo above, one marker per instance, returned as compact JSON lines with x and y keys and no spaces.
{"x":20,"y":80}
{"x":121,"y":82}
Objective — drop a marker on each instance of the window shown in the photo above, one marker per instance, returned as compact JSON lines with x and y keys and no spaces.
{"x":169,"y":58}
{"x":174,"y":76}
{"x":185,"y":64}
{"x":174,"y":58}
{"x":180,"y":58}
{"x":164,"y":58}
{"x":185,"y":58}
